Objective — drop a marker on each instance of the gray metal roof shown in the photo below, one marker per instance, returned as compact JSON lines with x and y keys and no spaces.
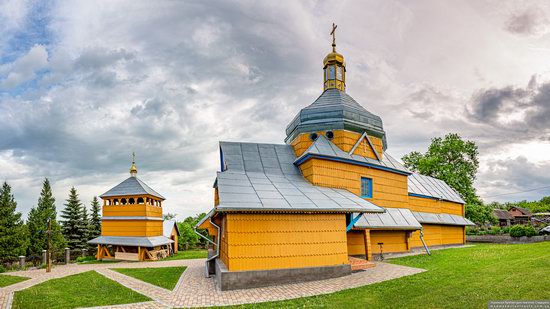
{"x":335,"y":109}
{"x":393,"y":218}
{"x":147,"y":242}
{"x":263,"y":177}
{"x":444,"y":219}
{"x":323,"y":147}
{"x":131,"y":186}
{"x":433,"y":187}
{"x":167,"y":226}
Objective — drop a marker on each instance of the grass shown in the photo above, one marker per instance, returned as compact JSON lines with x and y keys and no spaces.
{"x":165,"y":277}
{"x":81,"y":290}
{"x":456,"y":278}
{"x":188,"y":254}
{"x":6,"y":280}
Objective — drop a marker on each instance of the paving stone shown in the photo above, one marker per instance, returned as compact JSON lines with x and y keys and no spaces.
{"x":195,"y":290}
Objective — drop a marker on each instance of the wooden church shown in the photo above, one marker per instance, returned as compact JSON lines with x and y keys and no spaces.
{"x":132,"y":226}
{"x":306,"y":209}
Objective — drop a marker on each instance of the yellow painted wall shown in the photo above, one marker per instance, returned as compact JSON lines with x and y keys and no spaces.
{"x":389,"y":189}
{"x":435,"y":206}
{"x":132,"y":210}
{"x":131,"y":228}
{"x":394,"y":241}
{"x":437,"y":235}
{"x":344,"y":139}
{"x":356,"y":242}
{"x":272,"y":241}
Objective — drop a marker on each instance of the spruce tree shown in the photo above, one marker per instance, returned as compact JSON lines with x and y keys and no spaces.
{"x":95,"y":219}
{"x":73,"y":225}
{"x":13,"y":236}
{"x":37,"y":223}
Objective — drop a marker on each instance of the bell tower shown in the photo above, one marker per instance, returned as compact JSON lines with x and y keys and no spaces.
{"x":334,"y":67}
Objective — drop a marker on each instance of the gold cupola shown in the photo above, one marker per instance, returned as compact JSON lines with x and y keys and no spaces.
{"x":133,"y":168}
{"x":334,"y":67}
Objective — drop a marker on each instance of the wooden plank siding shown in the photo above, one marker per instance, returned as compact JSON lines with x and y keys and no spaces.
{"x":393,"y":241}
{"x":437,"y":235}
{"x":273,"y":241}
{"x":131,"y":228}
{"x":435,"y":206}
{"x":356,"y":242}
{"x":389,"y":189}
{"x":135,"y":210}
{"x":344,"y":139}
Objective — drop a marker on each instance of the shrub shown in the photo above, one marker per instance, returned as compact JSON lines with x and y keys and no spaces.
{"x":529,"y":231}
{"x":494,"y":230}
{"x":517,"y":231}
{"x":2,"y":269}
{"x":472,"y":230}
{"x":506,"y":230}
{"x":81,"y":259}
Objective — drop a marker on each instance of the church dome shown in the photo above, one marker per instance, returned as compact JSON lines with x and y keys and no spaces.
{"x":334,"y":110}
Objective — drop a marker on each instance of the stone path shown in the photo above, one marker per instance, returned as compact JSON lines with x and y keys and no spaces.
{"x":194,"y":290}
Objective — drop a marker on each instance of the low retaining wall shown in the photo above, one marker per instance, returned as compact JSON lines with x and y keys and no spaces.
{"x":506,"y":239}
{"x":234,"y":280}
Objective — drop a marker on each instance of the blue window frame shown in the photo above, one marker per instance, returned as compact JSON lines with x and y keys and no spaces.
{"x":366,"y":187}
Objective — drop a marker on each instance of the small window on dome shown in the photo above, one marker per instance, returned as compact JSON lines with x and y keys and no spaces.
{"x":313,"y":136}
{"x":339,"y":72}
{"x":331,"y":68}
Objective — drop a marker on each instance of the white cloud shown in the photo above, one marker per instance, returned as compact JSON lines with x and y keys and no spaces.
{"x":24,"y":68}
{"x":170,"y":79}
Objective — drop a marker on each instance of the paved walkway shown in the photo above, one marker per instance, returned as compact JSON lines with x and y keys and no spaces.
{"x":194,"y":290}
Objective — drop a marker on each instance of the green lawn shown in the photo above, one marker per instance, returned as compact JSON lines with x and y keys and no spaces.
{"x":456,"y":278}
{"x":188,"y":254}
{"x":165,"y":277}
{"x":81,"y":290}
{"x":6,"y":280}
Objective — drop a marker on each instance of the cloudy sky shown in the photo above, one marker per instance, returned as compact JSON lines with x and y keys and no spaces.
{"x":82,"y":85}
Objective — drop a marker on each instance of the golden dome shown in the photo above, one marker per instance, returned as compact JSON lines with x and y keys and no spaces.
{"x":133,"y":168}
{"x":334,"y":58}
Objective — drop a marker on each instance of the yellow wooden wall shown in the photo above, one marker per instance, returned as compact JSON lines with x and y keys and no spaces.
{"x":344,"y":139}
{"x":356,"y":242}
{"x":394,"y":241}
{"x":435,"y":206}
{"x":437,"y":235}
{"x":131,"y":228}
{"x":136,"y":210}
{"x":272,"y":241}
{"x":389,"y":189}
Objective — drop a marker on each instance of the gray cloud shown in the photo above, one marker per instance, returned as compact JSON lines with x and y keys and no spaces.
{"x":171,"y":79}
{"x":529,"y":22}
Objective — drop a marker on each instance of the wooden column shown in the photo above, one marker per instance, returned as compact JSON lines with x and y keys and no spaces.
{"x":368,"y":251}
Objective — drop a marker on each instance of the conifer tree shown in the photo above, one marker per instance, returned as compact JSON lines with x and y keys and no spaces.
{"x":13,"y":232}
{"x":95,"y":219}
{"x":37,"y":223}
{"x":74,"y":225}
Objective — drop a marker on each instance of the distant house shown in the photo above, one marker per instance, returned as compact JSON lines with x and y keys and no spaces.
{"x":504,"y":217}
{"x":521,"y":215}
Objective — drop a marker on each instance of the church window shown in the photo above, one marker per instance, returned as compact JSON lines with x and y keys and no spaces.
{"x":140,"y":200}
{"x":131,"y":201}
{"x":339,"y":72}
{"x":331,"y":68}
{"x":123,"y":201}
{"x":366,"y":187}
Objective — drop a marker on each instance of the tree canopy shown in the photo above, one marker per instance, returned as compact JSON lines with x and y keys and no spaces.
{"x":75,"y":222}
{"x":13,"y":232}
{"x":454,"y":161}
{"x":94,"y":229}
{"x":37,"y":223}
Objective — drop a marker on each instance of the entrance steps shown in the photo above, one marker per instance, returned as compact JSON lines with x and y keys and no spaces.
{"x":360,"y":264}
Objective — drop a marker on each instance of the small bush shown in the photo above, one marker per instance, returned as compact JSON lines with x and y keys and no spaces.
{"x":472,"y":230}
{"x":494,"y":230}
{"x":2,"y":269}
{"x":506,"y":230}
{"x":530,"y":231}
{"x":81,"y":259}
{"x":517,"y":231}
